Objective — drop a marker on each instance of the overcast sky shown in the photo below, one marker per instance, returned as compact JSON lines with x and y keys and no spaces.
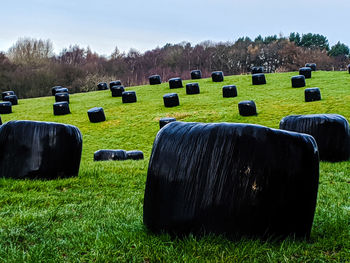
{"x":144,"y":25}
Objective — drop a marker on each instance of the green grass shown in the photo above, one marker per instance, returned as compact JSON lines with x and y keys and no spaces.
{"x":98,"y":215}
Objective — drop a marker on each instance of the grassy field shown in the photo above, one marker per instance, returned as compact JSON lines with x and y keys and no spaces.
{"x":97,"y":216}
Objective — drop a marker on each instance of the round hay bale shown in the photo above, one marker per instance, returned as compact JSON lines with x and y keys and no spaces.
{"x":192,"y":88}
{"x":62,"y":96}
{"x":7,"y":93}
{"x":306,"y":72}
{"x":331,"y":132}
{"x":258,"y":79}
{"x":53,"y":89}
{"x":229,"y":91}
{"x":61,"y":108}
{"x":134,"y":155}
{"x":110,"y":155}
{"x":129,"y":97}
{"x":11,"y":98}
{"x":171,"y":100}
{"x":196,"y":74}
{"x":165,"y":121}
{"x":217,"y":76}
{"x":311,"y":65}
{"x":102,"y":86}
{"x":115,"y":83}
{"x":62,"y":90}
{"x":154,"y":80}
{"x":5,"y":107}
{"x":175,"y":83}
{"x":96,"y":114}
{"x":233,"y":179}
{"x":349,"y":68}
{"x":247,"y":108}
{"x":256,"y":70}
{"x":298,"y":81}
{"x":117,"y":91}
{"x":39,"y":150}
{"x":312,"y":94}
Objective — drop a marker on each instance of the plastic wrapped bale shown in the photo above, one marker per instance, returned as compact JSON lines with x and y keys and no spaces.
{"x":331,"y":132}
{"x":306,"y":72}
{"x":171,"y":100}
{"x":62,"y":96}
{"x":165,"y":121}
{"x":134,"y":155}
{"x":192,"y":88}
{"x":196,"y":74}
{"x":258,"y":79}
{"x":229,"y":91}
{"x":110,"y":155}
{"x":11,"y":98}
{"x":53,"y":89}
{"x":256,"y":70}
{"x":115,"y":83}
{"x":175,"y":83}
{"x":7,"y":93}
{"x":117,"y":91}
{"x":312,"y":94}
{"x":61,"y":108}
{"x":154,"y":80}
{"x":61,"y":90}
{"x":311,"y":65}
{"x":102,"y":86}
{"x":217,"y":76}
{"x":247,"y":108}
{"x":39,"y":150}
{"x":349,"y":68}
{"x":233,"y":179}
{"x":298,"y":81}
{"x":129,"y":97}
{"x":96,"y":114}
{"x":5,"y":107}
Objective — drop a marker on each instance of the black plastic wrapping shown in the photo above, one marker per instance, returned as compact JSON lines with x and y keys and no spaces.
{"x":5,"y":107}
{"x":115,"y":83}
{"x":110,"y":155}
{"x":171,"y":100}
{"x":129,"y":97}
{"x":349,"y":68}
{"x":217,"y":76}
{"x":298,"y":81}
{"x":233,"y":179}
{"x":258,"y":79}
{"x":96,"y":114}
{"x":61,"y":90}
{"x":154,"y":80}
{"x":312,"y":94}
{"x":42,"y":150}
{"x":192,"y":88}
{"x":165,"y":121}
{"x":102,"y":86}
{"x":311,"y":65}
{"x":117,"y":91}
{"x":256,"y":70}
{"x":306,"y":71}
{"x":0,"y":121}
{"x":331,"y":132}
{"x":247,"y":108}
{"x":7,"y":93}
{"x":229,"y":91}
{"x":62,"y":96}
{"x":53,"y":89}
{"x":175,"y":83}
{"x":11,"y":98}
{"x":196,"y":74}
{"x":134,"y":155}
{"x":61,"y":108}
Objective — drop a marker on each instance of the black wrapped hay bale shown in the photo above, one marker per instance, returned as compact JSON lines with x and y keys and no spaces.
{"x":331,"y":132}
{"x":102,"y":86}
{"x":117,"y":91}
{"x":258,"y":79}
{"x":175,"y":83}
{"x":61,"y":90}
{"x":129,"y":97}
{"x":229,"y":91}
{"x":110,"y":155}
{"x":349,"y":68}
{"x":298,"y":81}
{"x":312,"y":94}
{"x":233,"y":179}
{"x":192,"y":88}
{"x":53,"y":89}
{"x":11,"y":98}
{"x":311,"y":65}
{"x":61,"y":108}
{"x":5,"y":107}
{"x":7,"y":93}
{"x":217,"y":76}
{"x":154,"y":80}
{"x":134,"y":155}
{"x":256,"y":70}
{"x":247,"y":108}
{"x":171,"y":100}
{"x":115,"y":83}
{"x":42,"y":150}
{"x":196,"y":74}
{"x":96,"y":114}
{"x":165,"y":121}
{"x":306,"y":72}
{"x":62,"y":96}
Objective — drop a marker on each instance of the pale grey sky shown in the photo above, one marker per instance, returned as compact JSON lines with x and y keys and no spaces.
{"x":144,"y":25}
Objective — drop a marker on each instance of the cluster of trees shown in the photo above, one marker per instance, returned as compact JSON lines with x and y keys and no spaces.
{"x":30,"y":67}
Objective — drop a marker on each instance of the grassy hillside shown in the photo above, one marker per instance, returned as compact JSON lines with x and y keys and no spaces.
{"x":98,"y":215}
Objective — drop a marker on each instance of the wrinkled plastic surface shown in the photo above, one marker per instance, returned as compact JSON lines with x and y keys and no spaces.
{"x":258,"y":79}
{"x":134,"y":155}
{"x":110,"y":155}
{"x":217,"y":76}
{"x":12,"y":98}
{"x":331,"y":132}
{"x":312,"y":94}
{"x":256,"y":70}
{"x":247,"y":108}
{"x":5,"y":107}
{"x":102,"y":86}
{"x":61,"y":108}
{"x":233,"y":179}
{"x":196,"y":74}
{"x":306,"y":71}
{"x":129,"y":97}
{"x":298,"y":81}
{"x":175,"y":83}
{"x":311,"y":65}
{"x":42,"y":150}
{"x":62,"y":97}
{"x":165,"y":121}
{"x":171,"y":100}
{"x":117,"y":91}
{"x":53,"y":89}
{"x":7,"y":93}
{"x":115,"y":83}
{"x":192,"y":88}
{"x":229,"y":91}
{"x":154,"y":80}
{"x":96,"y":114}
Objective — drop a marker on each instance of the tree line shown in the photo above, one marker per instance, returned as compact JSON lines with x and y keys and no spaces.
{"x":30,"y":67}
